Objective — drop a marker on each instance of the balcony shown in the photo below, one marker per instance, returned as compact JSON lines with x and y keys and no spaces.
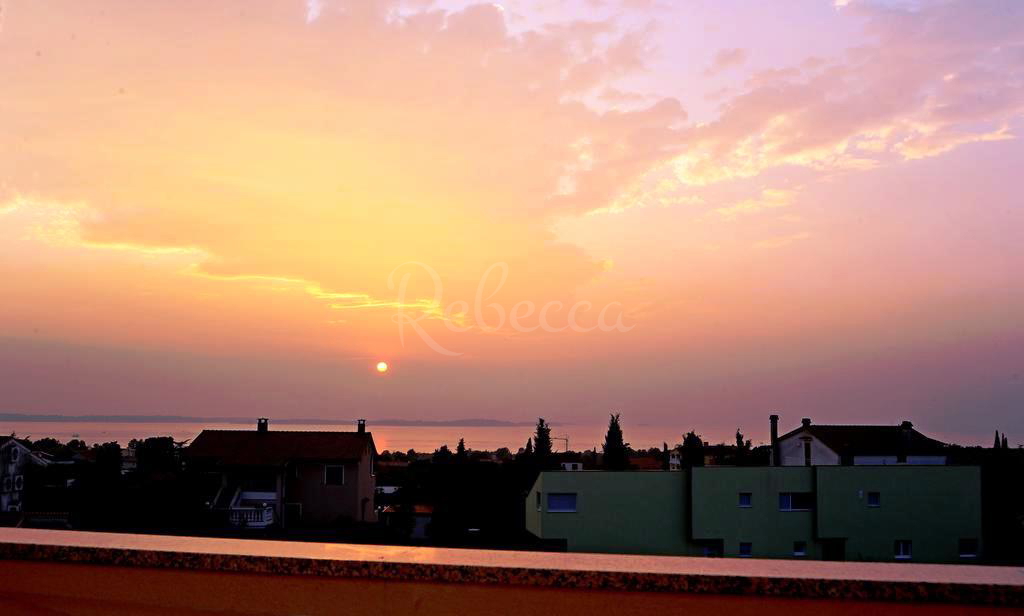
{"x":66,"y":572}
{"x":251,"y":517}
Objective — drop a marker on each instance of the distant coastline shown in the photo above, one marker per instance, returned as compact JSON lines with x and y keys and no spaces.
{"x":143,"y":419}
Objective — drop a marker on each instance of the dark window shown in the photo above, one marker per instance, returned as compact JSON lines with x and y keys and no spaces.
{"x":561,"y":503}
{"x":745,"y":500}
{"x":902,"y":549}
{"x":799,"y":548}
{"x":874,"y":499}
{"x":714,"y":547}
{"x":968,"y":548}
{"x":746,"y":549}
{"x":796,"y":501}
{"x":19,"y":482}
{"x":334,"y":475}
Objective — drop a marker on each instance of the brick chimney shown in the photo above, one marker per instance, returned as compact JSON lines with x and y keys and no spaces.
{"x":805,"y":422}
{"x":262,"y":424}
{"x":361,"y":426}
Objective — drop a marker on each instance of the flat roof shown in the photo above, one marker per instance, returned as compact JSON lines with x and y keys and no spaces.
{"x":976,"y":584}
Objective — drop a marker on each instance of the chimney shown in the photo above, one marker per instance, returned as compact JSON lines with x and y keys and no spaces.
{"x":774,"y":420}
{"x":262,"y":424}
{"x":904,"y":443}
{"x":805,"y":422}
{"x":361,"y":426}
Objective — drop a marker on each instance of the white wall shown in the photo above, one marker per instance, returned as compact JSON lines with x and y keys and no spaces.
{"x":791,"y":451}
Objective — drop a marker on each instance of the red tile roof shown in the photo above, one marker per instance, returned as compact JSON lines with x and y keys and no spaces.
{"x":276,"y":447}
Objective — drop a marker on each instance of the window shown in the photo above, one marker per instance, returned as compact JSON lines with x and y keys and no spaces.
{"x":561,"y":503}
{"x":538,"y":500}
{"x":19,"y":482}
{"x":713,"y":548}
{"x":874,"y":499}
{"x":14,"y":454}
{"x":7,"y":484}
{"x":796,"y":501}
{"x":799,"y":548}
{"x":968,"y":548}
{"x":746,"y":549}
{"x":334,"y":475}
{"x":745,"y":500}
{"x":902,"y":549}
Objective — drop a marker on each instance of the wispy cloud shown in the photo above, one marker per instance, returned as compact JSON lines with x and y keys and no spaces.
{"x":726,"y":59}
{"x":769,"y":199}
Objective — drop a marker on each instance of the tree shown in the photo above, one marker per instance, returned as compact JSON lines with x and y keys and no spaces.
{"x":615,"y":458}
{"x":528,"y":451}
{"x":693,"y":449}
{"x":542,"y":440}
{"x":460,"y":451}
{"x":666,"y":463}
{"x":1006,"y":445}
{"x":108,"y":460}
{"x":442,"y":455}
{"x":156,"y":454}
{"x":997,"y":443}
{"x":503,"y":454}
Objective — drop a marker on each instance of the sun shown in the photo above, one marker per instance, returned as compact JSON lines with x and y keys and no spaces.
{"x":382,"y":367}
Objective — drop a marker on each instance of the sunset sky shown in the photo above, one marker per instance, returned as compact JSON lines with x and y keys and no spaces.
{"x":806,"y":207}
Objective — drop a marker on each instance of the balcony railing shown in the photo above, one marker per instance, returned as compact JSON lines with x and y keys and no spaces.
{"x":68,"y":572}
{"x":251,"y":517}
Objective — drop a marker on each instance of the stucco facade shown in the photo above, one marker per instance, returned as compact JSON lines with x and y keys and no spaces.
{"x":640,"y":512}
{"x":870,"y":513}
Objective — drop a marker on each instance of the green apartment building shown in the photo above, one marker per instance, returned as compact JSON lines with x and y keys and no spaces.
{"x":869,"y":513}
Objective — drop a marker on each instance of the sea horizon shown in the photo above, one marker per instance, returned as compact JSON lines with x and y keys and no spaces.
{"x":389,"y":434}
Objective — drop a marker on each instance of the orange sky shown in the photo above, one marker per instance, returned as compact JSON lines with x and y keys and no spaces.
{"x":812,"y":209}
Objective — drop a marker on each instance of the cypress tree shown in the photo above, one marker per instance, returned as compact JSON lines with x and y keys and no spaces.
{"x":542,"y":440}
{"x":615,"y":456}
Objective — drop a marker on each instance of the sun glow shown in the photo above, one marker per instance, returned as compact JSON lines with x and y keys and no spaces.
{"x":382,"y":367}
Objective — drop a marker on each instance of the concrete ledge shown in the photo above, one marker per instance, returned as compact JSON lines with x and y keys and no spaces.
{"x":900,"y":583}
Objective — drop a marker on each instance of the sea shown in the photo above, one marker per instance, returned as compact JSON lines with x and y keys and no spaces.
{"x":577,"y":437}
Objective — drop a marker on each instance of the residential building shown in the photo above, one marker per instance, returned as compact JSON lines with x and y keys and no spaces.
{"x":871,"y":513}
{"x":15,"y":459}
{"x":260,"y":478}
{"x":819,"y":445}
{"x":636,"y":512}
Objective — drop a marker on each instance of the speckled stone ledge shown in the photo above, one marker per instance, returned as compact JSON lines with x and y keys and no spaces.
{"x":961,"y":584}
